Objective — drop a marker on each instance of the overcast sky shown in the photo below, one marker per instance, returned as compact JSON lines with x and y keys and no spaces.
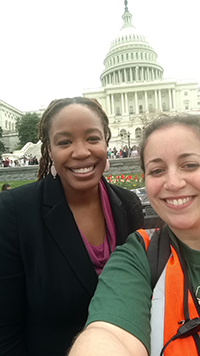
{"x":55,"y":48}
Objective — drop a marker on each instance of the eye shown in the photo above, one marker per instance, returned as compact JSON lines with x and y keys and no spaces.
{"x":64,"y":143}
{"x":190,"y":166}
{"x":93,"y":139}
{"x":157,"y":172}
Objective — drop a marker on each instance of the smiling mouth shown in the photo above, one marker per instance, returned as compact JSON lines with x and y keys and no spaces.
{"x":178,"y":202}
{"x":82,"y":170}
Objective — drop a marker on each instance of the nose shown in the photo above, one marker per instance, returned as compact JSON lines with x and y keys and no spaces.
{"x":174,"y":181}
{"x":80,"y":150}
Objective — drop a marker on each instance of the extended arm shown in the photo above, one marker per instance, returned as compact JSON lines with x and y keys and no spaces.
{"x":104,"y":339}
{"x":119,"y":313}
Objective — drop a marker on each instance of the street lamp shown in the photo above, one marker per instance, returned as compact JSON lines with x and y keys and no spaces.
{"x":129,"y":146}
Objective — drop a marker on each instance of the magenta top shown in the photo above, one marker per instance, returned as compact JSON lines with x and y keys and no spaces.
{"x":100,"y":254}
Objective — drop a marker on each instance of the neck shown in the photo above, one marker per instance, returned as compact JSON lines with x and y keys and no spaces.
{"x":83,"y":198}
{"x":189,"y":237}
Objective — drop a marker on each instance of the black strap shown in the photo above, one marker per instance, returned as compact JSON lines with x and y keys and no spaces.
{"x":158,"y":253}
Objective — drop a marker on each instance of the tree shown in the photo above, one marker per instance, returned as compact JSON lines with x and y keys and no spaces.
{"x":2,"y":147}
{"x":27,"y":128}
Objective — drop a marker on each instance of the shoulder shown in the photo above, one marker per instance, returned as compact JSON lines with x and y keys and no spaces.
{"x":26,"y":191}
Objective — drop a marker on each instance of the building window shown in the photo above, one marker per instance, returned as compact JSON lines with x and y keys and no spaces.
{"x":9,"y":125}
{"x":138,"y":133}
{"x":185,"y":93}
{"x":118,"y":111}
{"x":150,"y":108}
{"x":6,"y":124}
{"x":140,"y":109}
{"x":127,"y":56}
{"x":131,"y":110}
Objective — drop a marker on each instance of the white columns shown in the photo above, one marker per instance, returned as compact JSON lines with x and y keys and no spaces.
{"x":122,"y":101}
{"x":153,"y":74}
{"x":125,"y":76}
{"x":170,"y":99}
{"x":148,"y":78}
{"x":136,"y":104}
{"x":112,"y":104}
{"x":146,"y":101}
{"x":142,"y":74}
{"x":156,"y":99}
{"x":126,"y":103}
{"x":136,"y":74}
{"x":131,"y":75}
{"x":174,"y":99}
{"x":159,"y":100}
{"x":119,"y":76}
{"x":108,"y":104}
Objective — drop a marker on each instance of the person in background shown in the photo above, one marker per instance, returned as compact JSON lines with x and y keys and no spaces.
{"x":5,"y":186}
{"x":121,"y":310}
{"x":57,"y":234}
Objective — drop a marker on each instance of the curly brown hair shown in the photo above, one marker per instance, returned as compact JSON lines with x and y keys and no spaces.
{"x":45,"y":124}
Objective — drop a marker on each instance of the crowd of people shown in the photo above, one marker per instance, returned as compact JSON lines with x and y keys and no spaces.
{"x":123,"y":152}
{"x":23,"y":161}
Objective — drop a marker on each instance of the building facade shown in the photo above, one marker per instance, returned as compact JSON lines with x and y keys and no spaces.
{"x":8,"y":119}
{"x":134,"y":91}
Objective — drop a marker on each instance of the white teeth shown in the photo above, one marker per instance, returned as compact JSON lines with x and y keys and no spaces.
{"x":82,"y":170}
{"x":178,"y":202}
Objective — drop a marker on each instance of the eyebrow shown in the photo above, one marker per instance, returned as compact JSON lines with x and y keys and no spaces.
{"x":68,"y":134}
{"x":183,"y":155}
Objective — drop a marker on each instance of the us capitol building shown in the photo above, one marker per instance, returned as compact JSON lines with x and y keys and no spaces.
{"x":133,"y":90}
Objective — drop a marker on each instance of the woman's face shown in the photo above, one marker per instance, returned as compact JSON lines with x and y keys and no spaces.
{"x":172,"y":176}
{"x":78,"y":147}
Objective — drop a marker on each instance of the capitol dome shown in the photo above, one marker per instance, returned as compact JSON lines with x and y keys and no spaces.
{"x":130,"y":58}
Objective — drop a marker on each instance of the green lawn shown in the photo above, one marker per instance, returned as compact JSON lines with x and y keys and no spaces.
{"x":17,"y":183}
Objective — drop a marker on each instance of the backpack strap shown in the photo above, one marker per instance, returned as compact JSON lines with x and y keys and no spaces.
{"x":158,"y":253}
{"x":157,"y":249}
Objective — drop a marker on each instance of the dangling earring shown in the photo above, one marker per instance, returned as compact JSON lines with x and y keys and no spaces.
{"x":53,"y":170}
{"x":107,"y":167}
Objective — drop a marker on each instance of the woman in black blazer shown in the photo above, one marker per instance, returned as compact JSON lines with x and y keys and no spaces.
{"x":56,"y":234}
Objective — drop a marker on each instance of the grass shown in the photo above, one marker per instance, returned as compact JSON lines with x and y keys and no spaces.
{"x":128,"y":181}
{"x":16,"y":183}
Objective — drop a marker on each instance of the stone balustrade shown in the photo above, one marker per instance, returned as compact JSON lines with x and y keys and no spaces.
{"x":118,"y":166}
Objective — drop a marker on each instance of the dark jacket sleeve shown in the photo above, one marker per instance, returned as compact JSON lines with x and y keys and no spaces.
{"x":12,"y":282}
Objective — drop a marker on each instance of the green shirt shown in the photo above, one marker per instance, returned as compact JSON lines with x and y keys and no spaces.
{"x":123,"y":295}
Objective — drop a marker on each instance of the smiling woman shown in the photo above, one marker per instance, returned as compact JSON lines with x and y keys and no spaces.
{"x":135,"y":309}
{"x":57,"y":234}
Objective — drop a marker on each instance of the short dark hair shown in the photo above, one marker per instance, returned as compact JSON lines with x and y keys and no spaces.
{"x":190,"y":120}
{"x":45,"y":124}
{"x":5,"y":186}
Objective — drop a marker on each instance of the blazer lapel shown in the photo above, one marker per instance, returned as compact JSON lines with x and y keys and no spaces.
{"x":62,"y":227}
{"x":119,"y":215}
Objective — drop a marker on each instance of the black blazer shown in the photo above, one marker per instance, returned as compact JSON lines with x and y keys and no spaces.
{"x":46,"y":276}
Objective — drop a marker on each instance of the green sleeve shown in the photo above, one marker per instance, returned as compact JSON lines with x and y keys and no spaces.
{"x":123,"y":295}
